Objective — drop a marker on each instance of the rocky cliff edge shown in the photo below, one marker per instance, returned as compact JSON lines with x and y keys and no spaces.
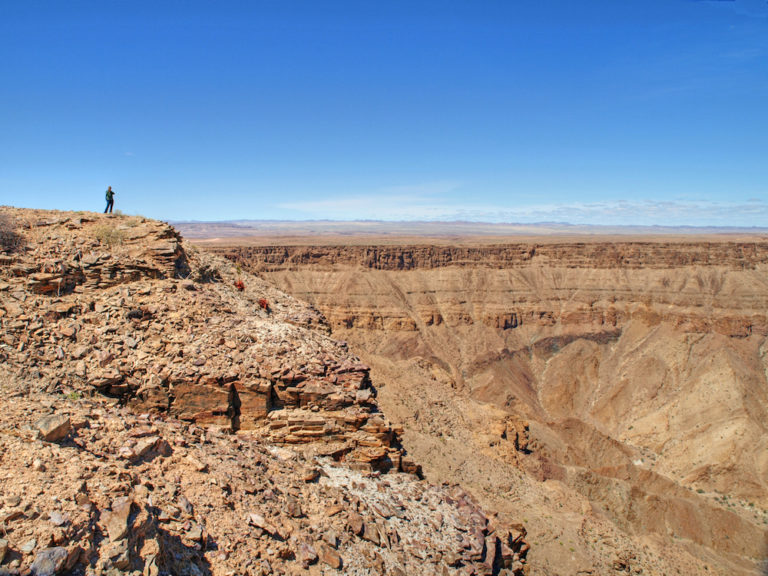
{"x":164,"y":412}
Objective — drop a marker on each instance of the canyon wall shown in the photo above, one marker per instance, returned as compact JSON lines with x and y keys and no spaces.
{"x":609,"y":387}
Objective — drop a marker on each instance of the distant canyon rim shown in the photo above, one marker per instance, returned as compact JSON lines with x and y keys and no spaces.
{"x":608,"y":391}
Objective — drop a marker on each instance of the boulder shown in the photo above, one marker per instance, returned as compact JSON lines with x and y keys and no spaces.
{"x":50,"y":561}
{"x":116,"y":520}
{"x":53,"y":428}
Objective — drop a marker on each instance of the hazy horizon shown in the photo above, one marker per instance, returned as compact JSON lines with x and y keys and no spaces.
{"x":371,"y":229}
{"x":249,"y":221}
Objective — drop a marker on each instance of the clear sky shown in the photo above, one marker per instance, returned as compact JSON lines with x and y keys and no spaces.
{"x":602,"y":112}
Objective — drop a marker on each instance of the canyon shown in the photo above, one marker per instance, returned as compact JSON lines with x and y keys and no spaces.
{"x":608,"y":392}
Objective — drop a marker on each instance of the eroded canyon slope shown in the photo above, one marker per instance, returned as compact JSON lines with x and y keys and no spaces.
{"x":162,"y":412}
{"x":612,"y":390}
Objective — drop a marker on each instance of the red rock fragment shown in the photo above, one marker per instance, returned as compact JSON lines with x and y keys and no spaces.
{"x":329,"y":556}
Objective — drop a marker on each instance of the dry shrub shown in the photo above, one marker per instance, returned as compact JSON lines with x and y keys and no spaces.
{"x":133,"y":221}
{"x":109,"y":235}
{"x":9,"y":238}
{"x":205,"y":268}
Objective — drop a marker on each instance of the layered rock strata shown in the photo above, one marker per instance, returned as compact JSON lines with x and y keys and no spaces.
{"x":606,"y":284}
{"x":634,"y":254}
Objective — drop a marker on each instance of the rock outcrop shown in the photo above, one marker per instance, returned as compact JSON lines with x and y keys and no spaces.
{"x":90,"y":315}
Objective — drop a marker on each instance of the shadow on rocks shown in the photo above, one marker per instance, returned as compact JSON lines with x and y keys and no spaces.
{"x":10,"y":240}
{"x":138,"y":537}
{"x":180,"y":557}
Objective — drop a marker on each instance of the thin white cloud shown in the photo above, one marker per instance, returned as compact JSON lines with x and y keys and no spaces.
{"x":405,"y":202}
{"x":751,"y":8}
{"x":650,"y":213}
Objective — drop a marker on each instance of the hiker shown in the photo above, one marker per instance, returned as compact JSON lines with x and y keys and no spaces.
{"x":110,"y":200}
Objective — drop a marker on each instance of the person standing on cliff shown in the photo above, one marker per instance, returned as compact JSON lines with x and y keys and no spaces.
{"x":110,"y":200}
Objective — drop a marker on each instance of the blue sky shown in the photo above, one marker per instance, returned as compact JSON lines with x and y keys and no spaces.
{"x":602,"y":112}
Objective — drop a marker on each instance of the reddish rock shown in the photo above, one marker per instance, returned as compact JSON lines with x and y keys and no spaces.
{"x":329,"y":556}
{"x":53,"y":428}
{"x":115,"y":520}
{"x":355,"y":523}
{"x":306,"y":554}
